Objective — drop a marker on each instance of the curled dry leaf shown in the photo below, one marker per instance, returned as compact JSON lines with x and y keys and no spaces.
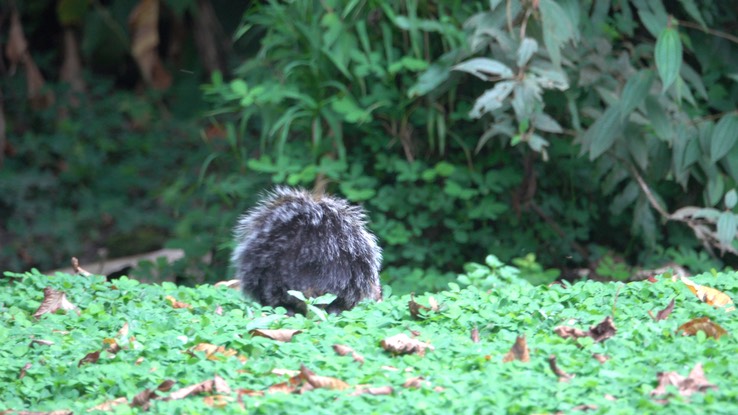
{"x":177,"y":304}
{"x":42,"y":342}
{"x":374,"y":390}
{"x":599,"y":333}
{"x":415,"y":382}
{"x":343,"y":350}
{"x":563,"y":376}
{"x":89,"y":358}
{"x":711,"y":296}
{"x":519,"y":351}
{"x":53,"y":300}
{"x":217,"y":384}
{"x":112,"y":346}
{"x":694,"y":382}
{"x":235,"y":284}
{"x":321,"y":381}
{"x":108,"y":406}
{"x":165,"y":386}
{"x":212,"y":350}
{"x":402,"y":344}
{"x":663,"y":314}
{"x":23,"y":370}
{"x":144,"y":398}
{"x":282,"y":335}
{"x":418,"y":310}
{"x":78,"y":269}
{"x":600,"y":357}
{"x":475,"y":335}
{"x":703,"y":324}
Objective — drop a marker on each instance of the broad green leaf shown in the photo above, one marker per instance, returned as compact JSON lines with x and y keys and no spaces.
{"x":723,"y":137}
{"x":731,"y":198}
{"x":602,"y":134}
{"x":691,"y":8}
{"x":527,"y":48}
{"x":668,"y":56}
{"x":557,"y":29}
{"x":492,"y":98}
{"x":545,"y":122}
{"x":715,"y":189}
{"x":485,"y":69}
{"x":659,"y":122}
{"x":635,"y":91}
{"x":652,"y":23}
{"x":429,"y":80}
{"x":726,"y":227}
{"x":637,"y":149}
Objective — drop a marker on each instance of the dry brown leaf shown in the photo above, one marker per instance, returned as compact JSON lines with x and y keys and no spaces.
{"x":53,"y":300}
{"x":415,"y":382}
{"x":177,"y":304}
{"x":323,"y":382}
{"x":23,"y":370}
{"x":569,"y":332}
{"x":600,"y":357}
{"x":563,"y":376}
{"x":703,"y":324}
{"x":143,"y":399}
{"x":711,"y":296}
{"x":373,"y":390}
{"x":282,"y":335}
{"x":89,"y":358}
{"x":694,"y":382}
{"x":249,"y":392}
{"x":475,"y":335}
{"x":217,"y":384}
{"x":217,"y":401}
{"x":519,"y":351}
{"x":108,"y":406}
{"x":600,"y":332}
{"x":663,"y":314}
{"x":165,"y":386}
{"x":343,"y":350}
{"x":143,"y":22}
{"x":418,"y":310}
{"x":112,"y":346}
{"x":211,"y":350}
{"x":402,"y":344}
{"x":42,"y":342}
{"x":139,"y":361}
{"x":123,"y":332}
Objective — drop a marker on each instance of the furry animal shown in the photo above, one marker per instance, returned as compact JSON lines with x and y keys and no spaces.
{"x":316,"y":244}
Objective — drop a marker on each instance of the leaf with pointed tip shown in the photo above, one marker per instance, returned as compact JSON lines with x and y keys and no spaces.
{"x":668,"y":56}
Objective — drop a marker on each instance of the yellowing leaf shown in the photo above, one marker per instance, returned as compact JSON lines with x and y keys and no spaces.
{"x":703,"y":324}
{"x":711,"y":296}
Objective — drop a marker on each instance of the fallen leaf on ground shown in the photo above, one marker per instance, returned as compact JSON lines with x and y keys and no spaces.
{"x":217,"y":384}
{"x":211,"y":350}
{"x":475,"y":335}
{"x":703,"y":324}
{"x":324,"y":382}
{"x":418,"y":310}
{"x":519,"y":351}
{"x":694,"y":382}
{"x":89,"y":358}
{"x":599,"y":333}
{"x":402,"y":344}
{"x":563,"y":376}
{"x":415,"y":382}
{"x":663,"y":314}
{"x":374,"y":390}
{"x":23,"y":370}
{"x":343,"y":350}
{"x":109,"y":405}
{"x":282,"y":335}
{"x":53,"y":300}
{"x":235,"y":284}
{"x":709,"y":295}
{"x":600,"y":357}
{"x":175,"y":303}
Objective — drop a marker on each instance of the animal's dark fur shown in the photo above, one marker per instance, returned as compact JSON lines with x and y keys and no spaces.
{"x":316,"y":244}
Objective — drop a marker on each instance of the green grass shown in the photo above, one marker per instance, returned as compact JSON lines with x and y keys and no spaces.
{"x":460,"y":376}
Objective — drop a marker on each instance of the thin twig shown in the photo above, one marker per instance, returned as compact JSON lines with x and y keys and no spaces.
{"x":709,"y":31}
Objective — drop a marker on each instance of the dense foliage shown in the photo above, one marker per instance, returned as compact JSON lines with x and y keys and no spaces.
{"x":119,"y":341}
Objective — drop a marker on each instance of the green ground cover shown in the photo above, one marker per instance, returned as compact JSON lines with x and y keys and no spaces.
{"x":144,"y":341}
